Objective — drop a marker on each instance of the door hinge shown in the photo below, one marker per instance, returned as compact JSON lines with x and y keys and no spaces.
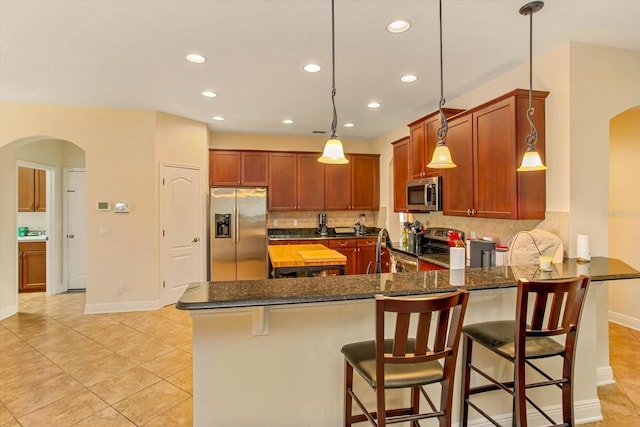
{"x":164,"y":285}
{"x":162,"y":181}
{"x":163,"y":233}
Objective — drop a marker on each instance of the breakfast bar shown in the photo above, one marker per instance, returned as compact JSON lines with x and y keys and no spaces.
{"x":267,"y":352}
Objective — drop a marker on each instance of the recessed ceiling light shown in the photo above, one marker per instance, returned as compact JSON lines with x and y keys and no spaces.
{"x":312,"y":68}
{"x":398,"y":26}
{"x":349,"y":125}
{"x":218,"y":118}
{"x":195,"y":58}
{"x":287,"y":121}
{"x":209,"y":94}
{"x":409,"y":78}
{"x":373,"y":105}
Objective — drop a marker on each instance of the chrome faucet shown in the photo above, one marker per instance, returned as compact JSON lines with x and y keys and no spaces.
{"x":383,"y":234}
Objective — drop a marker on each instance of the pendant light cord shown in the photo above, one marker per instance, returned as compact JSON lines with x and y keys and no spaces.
{"x":531,"y":139}
{"x":444,"y":126}
{"x":334,"y":123}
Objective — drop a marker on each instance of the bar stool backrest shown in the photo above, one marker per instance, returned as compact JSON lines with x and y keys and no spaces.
{"x":416,"y":347}
{"x":556,"y":309}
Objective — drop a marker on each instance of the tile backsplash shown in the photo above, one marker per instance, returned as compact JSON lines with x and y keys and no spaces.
{"x":309,"y":219}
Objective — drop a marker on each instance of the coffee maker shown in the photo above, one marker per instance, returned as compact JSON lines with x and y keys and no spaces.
{"x":322,"y":224}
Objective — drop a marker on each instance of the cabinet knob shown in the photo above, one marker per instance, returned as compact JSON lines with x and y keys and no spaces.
{"x":468,"y":212}
{"x":196,"y":239}
{"x":473,"y":212}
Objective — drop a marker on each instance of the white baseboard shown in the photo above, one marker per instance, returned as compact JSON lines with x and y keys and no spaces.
{"x":624,"y":320}
{"x":585,"y":411}
{"x":8,"y":311}
{"x":604,"y":376}
{"x":118,"y":307}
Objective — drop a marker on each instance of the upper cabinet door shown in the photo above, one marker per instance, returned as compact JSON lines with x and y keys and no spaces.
{"x":283,"y":176}
{"x":40,"y":197}
{"x":457,"y":183}
{"x":225,"y":167}
{"x":255,"y":165}
{"x":337,"y":185}
{"x":310,"y":182}
{"x":417,"y":145}
{"x":495,"y":147}
{"x":365,"y":182}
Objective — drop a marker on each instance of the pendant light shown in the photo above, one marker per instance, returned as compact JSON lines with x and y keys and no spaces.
{"x":531,"y":160}
{"x":333,"y":153}
{"x":441,"y":155}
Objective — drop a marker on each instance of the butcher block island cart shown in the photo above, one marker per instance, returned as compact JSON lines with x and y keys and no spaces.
{"x":267,"y":352}
{"x":305,"y":259}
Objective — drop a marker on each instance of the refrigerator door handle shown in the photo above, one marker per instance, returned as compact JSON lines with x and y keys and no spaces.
{"x":237,"y":227}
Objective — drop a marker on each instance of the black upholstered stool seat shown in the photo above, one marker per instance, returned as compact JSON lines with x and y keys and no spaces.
{"x":362,"y":356}
{"x":499,"y":337}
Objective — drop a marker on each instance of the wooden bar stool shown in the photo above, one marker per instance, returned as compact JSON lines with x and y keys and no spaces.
{"x":408,"y":360}
{"x":555,"y":312}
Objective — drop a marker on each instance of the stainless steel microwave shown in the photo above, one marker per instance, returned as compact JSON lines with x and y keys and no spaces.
{"x":424,"y":195}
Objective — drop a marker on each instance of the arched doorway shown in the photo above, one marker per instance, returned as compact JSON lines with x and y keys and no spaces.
{"x":51,"y":155}
{"x":624,"y":212}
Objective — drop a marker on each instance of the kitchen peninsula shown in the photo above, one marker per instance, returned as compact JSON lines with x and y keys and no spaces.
{"x":267,"y":352}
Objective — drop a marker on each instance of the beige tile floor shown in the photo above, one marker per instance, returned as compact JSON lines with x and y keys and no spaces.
{"x":59,"y":367}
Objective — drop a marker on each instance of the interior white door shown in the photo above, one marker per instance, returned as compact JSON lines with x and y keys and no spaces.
{"x":182,"y":216}
{"x":75,"y":228}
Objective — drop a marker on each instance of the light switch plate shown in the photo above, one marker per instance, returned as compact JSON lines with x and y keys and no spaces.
{"x":121,"y":207}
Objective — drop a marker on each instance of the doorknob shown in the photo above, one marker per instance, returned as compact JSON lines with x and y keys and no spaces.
{"x":70,"y":236}
{"x":196,"y":240}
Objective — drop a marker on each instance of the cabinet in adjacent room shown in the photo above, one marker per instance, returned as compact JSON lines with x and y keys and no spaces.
{"x":32,"y":190}
{"x":244,"y":168}
{"x":423,"y":137}
{"x":400,"y":174}
{"x":487,"y":144}
{"x":32,"y":266}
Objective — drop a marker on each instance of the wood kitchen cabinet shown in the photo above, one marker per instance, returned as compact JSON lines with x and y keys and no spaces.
{"x":233,"y":168}
{"x":310,"y":184}
{"x":366,"y":256}
{"x":32,"y":190}
{"x":348,"y":248}
{"x":354,"y":186}
{"x":487,"y":144}
{"x":296,"y":181}
{"x":400,"y":174}
{"x":423,"y":137}
{"x":32,"y":266}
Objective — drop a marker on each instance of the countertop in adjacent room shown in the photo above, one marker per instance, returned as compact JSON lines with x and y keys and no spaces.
{"x":255,"y":293}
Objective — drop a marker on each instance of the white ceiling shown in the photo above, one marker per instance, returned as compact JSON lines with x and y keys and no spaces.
{"x":130,"y":54}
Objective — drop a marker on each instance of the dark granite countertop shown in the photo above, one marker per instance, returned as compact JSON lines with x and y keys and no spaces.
{"x":255,"y":293}
{"x":312,"y":234}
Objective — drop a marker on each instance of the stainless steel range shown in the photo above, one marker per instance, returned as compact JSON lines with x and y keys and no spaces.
{"x":435,"y":240}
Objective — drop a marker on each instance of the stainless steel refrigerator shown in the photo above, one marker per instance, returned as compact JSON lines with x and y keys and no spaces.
{"x":238,"y":236}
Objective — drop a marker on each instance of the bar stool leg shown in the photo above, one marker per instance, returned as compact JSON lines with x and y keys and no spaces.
{"x":467,"y":348}
{"x":415,"y":404}
{"x":519,"y":390}
{"x":567,"y":390}
{"x":348,"y":400}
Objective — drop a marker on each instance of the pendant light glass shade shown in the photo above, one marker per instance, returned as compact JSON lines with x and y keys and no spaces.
{"x":531,"y":160}
{"x":441,"y":155}
{"x":333,"y":153}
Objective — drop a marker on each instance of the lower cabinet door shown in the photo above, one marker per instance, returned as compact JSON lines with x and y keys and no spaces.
{"x":34,"y":267}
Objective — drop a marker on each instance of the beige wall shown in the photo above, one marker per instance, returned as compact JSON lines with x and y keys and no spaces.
{"x":624,"y":213}
{"x":122,"y":158}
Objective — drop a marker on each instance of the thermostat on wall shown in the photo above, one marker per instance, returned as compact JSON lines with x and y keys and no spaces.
{"x":102,"y":206}
{"x":121,"y":207}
